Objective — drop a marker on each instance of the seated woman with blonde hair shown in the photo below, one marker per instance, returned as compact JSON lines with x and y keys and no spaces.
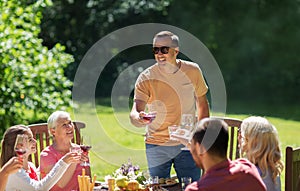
{"x":260,"y":145}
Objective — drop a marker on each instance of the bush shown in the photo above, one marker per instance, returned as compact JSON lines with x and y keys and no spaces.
{"x":32,"y":81}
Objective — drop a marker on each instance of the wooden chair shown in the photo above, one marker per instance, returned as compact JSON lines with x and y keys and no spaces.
{"x":41,"y":134}
{"x":292,"y":169}
{"x":233,"y":130}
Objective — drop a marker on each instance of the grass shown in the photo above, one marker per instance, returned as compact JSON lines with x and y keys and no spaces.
{"x":115,"y":140}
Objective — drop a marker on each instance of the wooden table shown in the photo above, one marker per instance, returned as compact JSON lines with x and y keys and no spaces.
{"x":175,"y":187}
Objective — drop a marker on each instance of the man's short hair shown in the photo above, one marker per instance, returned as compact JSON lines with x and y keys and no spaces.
{"x":213,"y":135}
{"x":173,"y":37}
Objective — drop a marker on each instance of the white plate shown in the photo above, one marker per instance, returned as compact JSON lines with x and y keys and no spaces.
{"x":97,"y":188}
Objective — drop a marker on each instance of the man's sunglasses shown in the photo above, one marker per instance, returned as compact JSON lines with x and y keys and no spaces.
{"x":163,"y":49}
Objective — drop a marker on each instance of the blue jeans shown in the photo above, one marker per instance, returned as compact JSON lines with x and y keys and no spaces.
{"x":161,"y":158}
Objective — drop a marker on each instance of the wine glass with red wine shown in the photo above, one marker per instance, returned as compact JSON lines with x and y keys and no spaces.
{"x":149,"y":116}
{"x":21,"y":145}
{"x":85,"y":147}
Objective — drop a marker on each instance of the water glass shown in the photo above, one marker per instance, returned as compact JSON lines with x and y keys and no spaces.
{"x":172,"y":131}
{"x":185,"y":181}
{"x":187,"y":124}
{"x":154,"y":180}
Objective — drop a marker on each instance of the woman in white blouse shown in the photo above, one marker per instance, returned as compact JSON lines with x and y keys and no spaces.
{"x":12,"y":166}
{"x":27,"y":178}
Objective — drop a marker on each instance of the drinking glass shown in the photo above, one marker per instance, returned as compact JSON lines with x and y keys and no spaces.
{"x":187,"y":125}
{"x":21,"y":145}
{"x":154,"y":179}
{"x":185,"y":181}
{"x":76,"y":149}
{"x":111,"y":184}
{"x":85,"y":147}
{"x":172,"y":131}
{"x":147,"y":176}
{"x":149,"y":116}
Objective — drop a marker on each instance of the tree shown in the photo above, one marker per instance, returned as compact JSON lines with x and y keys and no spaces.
{"x":254,"y":42}
{"x":32,"y":81}
{"x":79,"y":24}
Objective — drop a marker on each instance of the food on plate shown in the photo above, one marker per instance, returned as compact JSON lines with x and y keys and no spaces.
{"x":170,"y":181}
{"x":157,"y":187}
{"x":143,"y":188}
{"x":122,"y":181}
{"x":133,"y":185}
{"x":84,"y":182}
{"x":161,"y":181}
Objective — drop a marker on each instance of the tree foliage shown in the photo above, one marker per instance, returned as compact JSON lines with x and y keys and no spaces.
{"x":254,"y":42}
{"x":79,"y":24}
{"x":32,"y":81}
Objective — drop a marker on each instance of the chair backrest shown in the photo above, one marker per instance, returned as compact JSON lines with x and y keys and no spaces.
{"x":233,"y":130}
{"x":292,"y":169}
{"x":41,"y":134}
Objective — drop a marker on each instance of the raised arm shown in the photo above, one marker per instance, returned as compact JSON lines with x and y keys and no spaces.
{"x":202,"y":107}
{"x":21,"y":180}
{"x":47,"y":163}
{"x":137,"y":110}
{"x":12,"y":166}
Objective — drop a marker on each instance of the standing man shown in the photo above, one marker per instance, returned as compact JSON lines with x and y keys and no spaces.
{"x":170,"y":88}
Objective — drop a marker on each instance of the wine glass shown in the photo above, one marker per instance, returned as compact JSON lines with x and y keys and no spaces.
{"x":187,"y":126}
{"x":149,"y":116}
{"x":21,"y":144}
{"x":75,"y":149}
{"x":85,"y":147}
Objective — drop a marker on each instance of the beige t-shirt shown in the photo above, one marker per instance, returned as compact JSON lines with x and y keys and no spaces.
{"x":170,"y":95}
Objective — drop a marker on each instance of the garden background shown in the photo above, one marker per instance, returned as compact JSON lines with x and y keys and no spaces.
{"x":255,"y":43}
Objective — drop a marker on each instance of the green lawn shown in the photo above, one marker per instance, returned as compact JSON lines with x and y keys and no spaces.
{"x":115,"y":140}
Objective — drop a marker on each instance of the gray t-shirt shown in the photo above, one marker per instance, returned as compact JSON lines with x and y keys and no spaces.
{"x":271,"y":186}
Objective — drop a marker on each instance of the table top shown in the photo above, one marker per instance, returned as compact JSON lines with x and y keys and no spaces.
{"x":175,"y":187}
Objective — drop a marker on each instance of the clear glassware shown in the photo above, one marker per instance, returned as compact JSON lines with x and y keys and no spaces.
{"x":185,"y":181}
{"x":21,"y":145}
{"x":85,"y":147}
{"x":187,"y":126}
{"x":172,"y":131}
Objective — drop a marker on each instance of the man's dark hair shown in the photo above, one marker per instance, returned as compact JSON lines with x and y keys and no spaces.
{"x":213,"y":135}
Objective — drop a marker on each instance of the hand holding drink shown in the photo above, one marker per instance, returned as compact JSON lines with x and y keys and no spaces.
{"x":147,"y":117}
{"x":85,"y":147}
{"x":21,"y":145}
{"x":178,"y":134}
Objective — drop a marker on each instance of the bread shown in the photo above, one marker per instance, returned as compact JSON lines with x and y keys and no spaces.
{"x":170,"y":181}
{"x":161,"y":181}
